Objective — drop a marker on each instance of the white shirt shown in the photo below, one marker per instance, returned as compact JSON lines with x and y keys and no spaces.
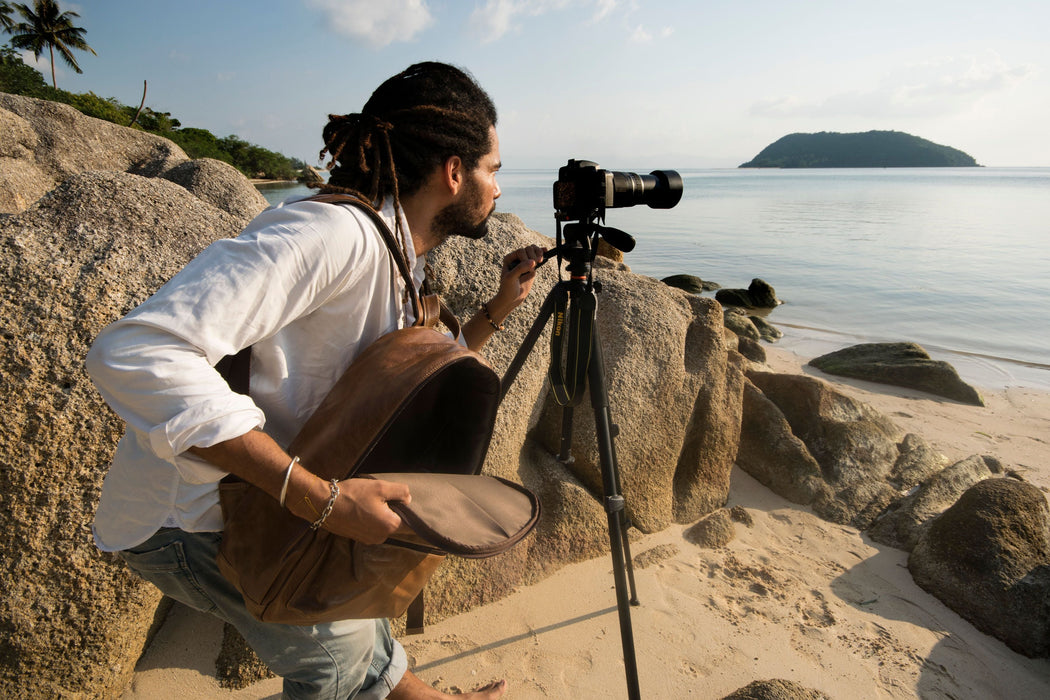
{"x":308,"y":285}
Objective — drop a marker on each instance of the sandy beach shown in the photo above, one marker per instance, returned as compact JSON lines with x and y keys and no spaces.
{"x":791,"y":597}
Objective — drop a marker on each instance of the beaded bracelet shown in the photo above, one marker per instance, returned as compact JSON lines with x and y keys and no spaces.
{"x":287,"y":476}
{"x":495,"y":326}
{"x":328,"y":508}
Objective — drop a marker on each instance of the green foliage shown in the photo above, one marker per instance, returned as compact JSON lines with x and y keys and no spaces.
{"x":254,"y":161}
{"x":19,"y":79}
{"x":92,"y":105}
{"x":873,"y":149}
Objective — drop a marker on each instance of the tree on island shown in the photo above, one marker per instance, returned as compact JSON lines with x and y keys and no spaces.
{"x":47,"y":26}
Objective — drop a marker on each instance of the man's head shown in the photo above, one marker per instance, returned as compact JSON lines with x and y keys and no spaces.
{"x":412,"y":124}
{"x":477,"y":192}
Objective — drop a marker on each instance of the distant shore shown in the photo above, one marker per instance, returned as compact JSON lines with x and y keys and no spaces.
{"x":263,"y":181}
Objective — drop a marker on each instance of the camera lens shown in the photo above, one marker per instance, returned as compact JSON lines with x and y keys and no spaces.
{"x":660,"y":189}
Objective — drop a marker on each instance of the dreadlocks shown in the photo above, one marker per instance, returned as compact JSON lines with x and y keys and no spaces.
{"x":412,"y":124}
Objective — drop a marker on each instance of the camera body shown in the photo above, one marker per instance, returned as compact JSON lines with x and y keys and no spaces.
{"x":584,"y":190}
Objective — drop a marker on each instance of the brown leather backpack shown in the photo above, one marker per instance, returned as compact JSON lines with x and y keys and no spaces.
{"x":415,"y":407}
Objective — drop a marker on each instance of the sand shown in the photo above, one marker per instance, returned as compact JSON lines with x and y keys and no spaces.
{"x":791,"y":596}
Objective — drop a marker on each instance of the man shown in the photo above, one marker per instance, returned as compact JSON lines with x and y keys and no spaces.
{"x":308,"y":286}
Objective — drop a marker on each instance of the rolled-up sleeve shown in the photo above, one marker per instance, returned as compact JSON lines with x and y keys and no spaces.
{"x":164,"y":387}
{"x":155,"y":368}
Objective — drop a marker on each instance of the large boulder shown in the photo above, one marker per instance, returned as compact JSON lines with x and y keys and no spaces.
{"x":774,"y":455}
{"x":42,"y":143}
{"x":72,"y":620}
{"x":855,"y":446}
{"x":988,"y":558}
{"x":674,"y":398}
{"x":899,"y":364}
{"x":904,"y":521}
{"x":816,"y":446}
{"x":219,"y":184}
{"x":668,"y":375}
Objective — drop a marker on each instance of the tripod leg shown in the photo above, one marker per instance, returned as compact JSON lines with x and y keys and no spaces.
{"x":557,"y":293}
{"x":614,"y":507}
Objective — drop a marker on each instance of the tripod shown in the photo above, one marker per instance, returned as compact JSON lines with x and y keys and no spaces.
{"x":572,"y":304}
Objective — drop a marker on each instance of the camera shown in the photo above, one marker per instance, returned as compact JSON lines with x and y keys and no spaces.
{"x":584,"y":190}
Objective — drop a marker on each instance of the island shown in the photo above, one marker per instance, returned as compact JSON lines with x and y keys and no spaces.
{"x":872,"y":149}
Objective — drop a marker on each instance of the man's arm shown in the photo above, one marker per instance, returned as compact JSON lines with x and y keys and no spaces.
{"x":516,"y":278}
{"x":360,"y":511}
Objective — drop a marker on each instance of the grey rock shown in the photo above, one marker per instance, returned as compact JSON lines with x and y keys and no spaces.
{"x":766,"y":330}
{"x":751,"y":349}
{"x":899,"y":364}
{"x":310,"y":176}
{"x":905,"y":520}
{"x":657,"y":341}
{"x":42,"y":143}
{"x":851,"y":441}
{"x":917,"y":462}
{"x":741,"y":515}
{"x":238,"y":666}
{"x":221,"y":185}
{"x":773,"y":454}
{"x":776,"y":689}
{"x":740,"y":323}
{"x":987,"y":557}
{"x":714,"y":531}
{"x":759,"y":295}
{"x":73,"y":620}
{"x":793,"y":422}
{"x":689,"y":283}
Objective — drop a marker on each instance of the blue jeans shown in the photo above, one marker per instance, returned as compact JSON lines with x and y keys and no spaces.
{"x":334,"y":661}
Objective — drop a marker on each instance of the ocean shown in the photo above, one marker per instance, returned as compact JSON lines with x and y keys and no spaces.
{"x":955,"y":259}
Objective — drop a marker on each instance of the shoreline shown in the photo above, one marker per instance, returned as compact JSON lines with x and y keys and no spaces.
{"x":791,"y":596}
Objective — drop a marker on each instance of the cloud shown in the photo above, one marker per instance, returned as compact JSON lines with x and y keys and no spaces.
{"x":376,"y":23}
{"x":496,"y":18}
{"x":642,"y":35}
{"x":932,"y":88}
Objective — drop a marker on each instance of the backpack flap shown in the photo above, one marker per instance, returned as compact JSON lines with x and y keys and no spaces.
{"x":472,"y":516}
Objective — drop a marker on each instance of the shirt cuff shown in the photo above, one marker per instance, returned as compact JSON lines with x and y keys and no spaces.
{"x":203,"y":425}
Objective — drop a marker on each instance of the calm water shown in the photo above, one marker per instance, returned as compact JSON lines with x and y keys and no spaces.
{"x":957,"y":260}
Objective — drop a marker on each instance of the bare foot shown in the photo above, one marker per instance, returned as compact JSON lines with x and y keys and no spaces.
{"x":411,"y":688}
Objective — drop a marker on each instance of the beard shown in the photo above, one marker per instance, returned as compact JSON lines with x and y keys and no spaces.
{"x":461,"y":218}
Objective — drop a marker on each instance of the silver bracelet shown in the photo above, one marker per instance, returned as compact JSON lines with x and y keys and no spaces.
{"x":287,"y":476}
{"x":328,"y":508}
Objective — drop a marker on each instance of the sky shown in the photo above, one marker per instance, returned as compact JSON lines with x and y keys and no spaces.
{"x":632,"y":84}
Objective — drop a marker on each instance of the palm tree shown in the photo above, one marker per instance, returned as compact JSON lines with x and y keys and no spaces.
{"x":47,"y":26}
{"x":6,"y":23}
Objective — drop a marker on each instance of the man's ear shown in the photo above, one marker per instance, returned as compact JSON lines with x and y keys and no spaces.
{"x":452,"y":174}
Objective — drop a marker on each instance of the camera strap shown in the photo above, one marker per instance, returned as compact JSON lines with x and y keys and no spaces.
{"x":574,"y":320}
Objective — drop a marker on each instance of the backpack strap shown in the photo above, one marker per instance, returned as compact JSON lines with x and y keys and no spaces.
{"x":429,"y":309}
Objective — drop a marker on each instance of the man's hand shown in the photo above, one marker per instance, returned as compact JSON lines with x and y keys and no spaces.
{"x":516,"y":278}
{"x":362,"y":511}
{"x":519,"y":271}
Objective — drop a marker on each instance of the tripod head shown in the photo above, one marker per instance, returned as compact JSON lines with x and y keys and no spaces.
{"x":580,"y":245}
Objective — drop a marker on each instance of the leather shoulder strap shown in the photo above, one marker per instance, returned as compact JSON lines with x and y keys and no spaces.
{"x":388,"y":237}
